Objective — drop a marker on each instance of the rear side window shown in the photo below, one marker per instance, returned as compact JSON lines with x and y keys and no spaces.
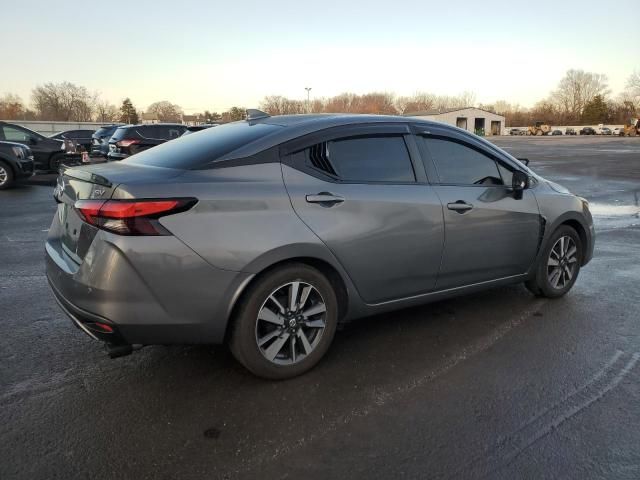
{"x":196,"y":151}
{"x":377,"y":158}
{"x":12,"y":134}
{"x":168,"y":132}
{"x":459,"y":164}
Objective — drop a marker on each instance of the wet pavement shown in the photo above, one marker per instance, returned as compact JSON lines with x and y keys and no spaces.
{"x":497,"y":384}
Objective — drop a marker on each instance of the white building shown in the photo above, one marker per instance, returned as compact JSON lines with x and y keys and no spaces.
{"x":474,"y":120}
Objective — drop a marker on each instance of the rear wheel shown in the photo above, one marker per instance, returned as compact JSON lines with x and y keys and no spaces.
{"x":559,"y":265}
{"x":55,"y":162}
{"x":6,"y":176}
{"x":285,"y":323}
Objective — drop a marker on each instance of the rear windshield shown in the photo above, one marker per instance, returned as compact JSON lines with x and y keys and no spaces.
{"x":120,"y":133}
{"x":104,"y":132}
{"x":200,"y":148}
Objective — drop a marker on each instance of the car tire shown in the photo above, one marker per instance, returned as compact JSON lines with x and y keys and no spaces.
{"x":273,"y":340}
{"x":55,"y":161}
{"x":559,"y":264}
{"x":6,"y":176}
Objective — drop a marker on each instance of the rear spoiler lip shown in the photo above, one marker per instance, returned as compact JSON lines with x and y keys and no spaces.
{"x":85,"y":176}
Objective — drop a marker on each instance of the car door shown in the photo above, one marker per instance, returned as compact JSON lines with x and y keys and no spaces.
{"x":490,"y":232}
{"x":358,"y":189}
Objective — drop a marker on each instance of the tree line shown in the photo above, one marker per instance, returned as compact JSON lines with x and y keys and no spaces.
{"x":579,"y":98}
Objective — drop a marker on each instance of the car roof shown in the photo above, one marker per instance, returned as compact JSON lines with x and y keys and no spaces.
{"x":294,"y":126}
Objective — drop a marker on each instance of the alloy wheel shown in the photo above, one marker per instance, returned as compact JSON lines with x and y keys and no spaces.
{"x":561,"y":264}
{"x":4,"y":176}
{"x":290,"y":323}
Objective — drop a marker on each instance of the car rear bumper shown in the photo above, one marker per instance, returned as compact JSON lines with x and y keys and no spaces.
{"x":111,"y":156}
{"x":149,"y":290}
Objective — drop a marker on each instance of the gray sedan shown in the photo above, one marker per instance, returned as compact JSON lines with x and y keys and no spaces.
{"x":267,"y":233}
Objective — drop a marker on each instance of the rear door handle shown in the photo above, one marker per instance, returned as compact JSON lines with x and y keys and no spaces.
{"x":325,"y":197}
{"x":460,"y":206}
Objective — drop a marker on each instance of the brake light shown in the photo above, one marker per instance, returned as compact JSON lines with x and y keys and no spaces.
{"x":131,"y":217}
{"x":127,"y":142}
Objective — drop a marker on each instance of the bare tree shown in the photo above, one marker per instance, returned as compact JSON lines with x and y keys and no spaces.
{"x":420,"y":101}
{"x":106,"y":112}
{"x":11,"y":107}
{"x":166,"y":111}
{"x":633,"y":89}
{"x":576,"y":90}
{"x":279,"y":105}
{"x":63,"y":101}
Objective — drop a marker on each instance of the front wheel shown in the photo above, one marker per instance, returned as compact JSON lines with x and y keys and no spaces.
{"x":6,"y":176}
{"x":286,"y":322}
{"x":559,"y":265}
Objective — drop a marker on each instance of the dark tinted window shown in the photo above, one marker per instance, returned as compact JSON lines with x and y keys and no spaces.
{"x":168,"y":131}
{"x":123,"y":132}
{"x":371,"y":159}
{"x":81,"y":134}
{"x":104,"y":132}
{"x":193,"y":151}
{"x":459,"y":164}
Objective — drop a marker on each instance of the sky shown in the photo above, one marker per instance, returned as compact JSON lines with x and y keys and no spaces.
{"x":216,"y":54}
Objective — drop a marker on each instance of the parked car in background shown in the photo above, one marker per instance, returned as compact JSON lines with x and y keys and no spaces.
{"x":618,"y":131}
{"x":197,"y":128}
{"x":570,"y":131}
{"x":79,"y":138}
{"x":131,"y":139}
{"x":604,"y":131}
{"x":268,"y":233}
{"x":556,"y":132}
{"x":517,"y":131}
{"x":16,"y":163}
{"x":48,"y":153}
{"x":587,"y":131}
{"x":100,"y":140}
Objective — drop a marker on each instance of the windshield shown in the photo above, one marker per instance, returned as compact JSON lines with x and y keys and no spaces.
{"x":200,"y":148}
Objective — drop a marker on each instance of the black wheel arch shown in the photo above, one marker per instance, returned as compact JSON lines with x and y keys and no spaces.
{"x":574,"y":220}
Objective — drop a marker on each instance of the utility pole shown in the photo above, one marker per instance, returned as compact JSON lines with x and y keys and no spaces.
{"x":308,"y":89}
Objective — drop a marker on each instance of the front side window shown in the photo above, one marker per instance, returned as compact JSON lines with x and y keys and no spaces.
{"x":459,"y":164}
{"x":377,"y":158}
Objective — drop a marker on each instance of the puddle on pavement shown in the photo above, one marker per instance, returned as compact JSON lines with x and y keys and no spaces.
{"x":609,"y":215}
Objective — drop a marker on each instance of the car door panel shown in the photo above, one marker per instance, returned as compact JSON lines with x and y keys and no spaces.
{"x":498,"y":237}
{"x":387,"y":237}
{"x":489,"y":233}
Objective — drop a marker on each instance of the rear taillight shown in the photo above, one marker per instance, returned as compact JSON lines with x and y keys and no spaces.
{"x":131,"y":217}
{"x":127,"y":142}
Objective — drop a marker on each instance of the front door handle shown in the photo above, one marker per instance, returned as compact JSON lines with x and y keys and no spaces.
{"x":325,"y":198}
{"x":460,"y":206}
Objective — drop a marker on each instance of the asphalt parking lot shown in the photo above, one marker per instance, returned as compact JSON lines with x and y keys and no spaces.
{"x":498,"y":384}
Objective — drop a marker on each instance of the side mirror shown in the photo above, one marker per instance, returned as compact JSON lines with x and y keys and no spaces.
{"x":33,"y":141}
{"x":524,"y":160}
{"x":519,"y":183}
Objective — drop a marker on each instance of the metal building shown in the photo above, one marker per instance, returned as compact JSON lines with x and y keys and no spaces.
{"x":475,"y":120}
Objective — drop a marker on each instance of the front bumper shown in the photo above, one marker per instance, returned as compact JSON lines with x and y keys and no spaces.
{"x":25,"y":169}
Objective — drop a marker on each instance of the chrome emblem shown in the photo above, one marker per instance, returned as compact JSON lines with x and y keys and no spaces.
{"x":98,"y":192}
